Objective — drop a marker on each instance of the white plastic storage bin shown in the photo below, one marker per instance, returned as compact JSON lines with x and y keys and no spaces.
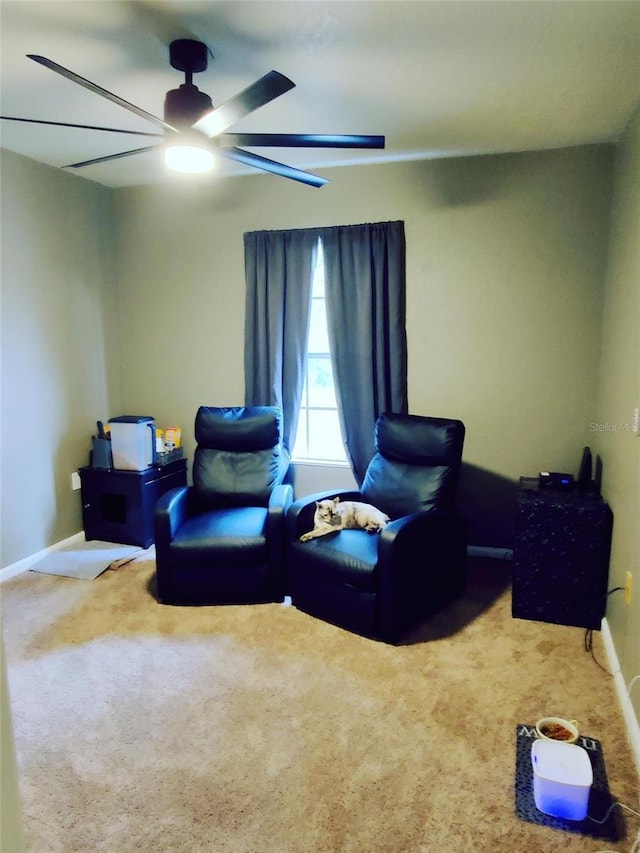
{"x":133,"y":442}
{"x":562,"y":779}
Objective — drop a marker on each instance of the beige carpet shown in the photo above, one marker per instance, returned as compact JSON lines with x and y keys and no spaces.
{"x":141,"y":727}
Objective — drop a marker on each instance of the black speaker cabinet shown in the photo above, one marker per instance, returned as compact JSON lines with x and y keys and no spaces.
{"x":561,"y":556}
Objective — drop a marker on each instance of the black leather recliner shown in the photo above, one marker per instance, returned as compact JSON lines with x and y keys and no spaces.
{"x":380,"y":585}
{"x":221,"y":540}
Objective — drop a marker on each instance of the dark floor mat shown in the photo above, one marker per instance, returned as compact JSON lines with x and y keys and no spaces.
{"x":600,"y":800}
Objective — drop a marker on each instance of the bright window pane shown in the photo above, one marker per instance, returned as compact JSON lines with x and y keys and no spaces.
{"x":300,"y":447}
{"x":319,"y":436}
{"x":320,"y":382}
{"x":325,"y":439}
{"x":318,"y":338}
{"x":317,"y":287}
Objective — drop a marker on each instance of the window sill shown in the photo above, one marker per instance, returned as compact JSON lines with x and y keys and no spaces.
{"x":320,"y":463}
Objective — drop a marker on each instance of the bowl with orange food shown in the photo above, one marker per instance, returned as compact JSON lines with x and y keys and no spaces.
{"x":557,"y":728}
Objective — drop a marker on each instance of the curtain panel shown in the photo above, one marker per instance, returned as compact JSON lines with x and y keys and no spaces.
{"x":278,"y":271}
{"x":366,"y":312}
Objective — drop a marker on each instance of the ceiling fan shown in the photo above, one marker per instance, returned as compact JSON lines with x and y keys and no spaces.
{"x":193,"y":129}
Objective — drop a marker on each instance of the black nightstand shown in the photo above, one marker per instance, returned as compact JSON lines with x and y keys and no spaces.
{"x":118,"y":506}
{"x":561,"y":556}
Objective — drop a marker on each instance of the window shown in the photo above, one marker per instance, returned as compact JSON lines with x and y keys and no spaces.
{"x":319,"y":438}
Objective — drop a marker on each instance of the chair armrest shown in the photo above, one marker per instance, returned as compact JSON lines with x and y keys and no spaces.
{"x":301,"y":512}
{"x":279,"y":502}
{"x":281,"y":497}
{"x":422,"y":564}
{"x":172,"y":509}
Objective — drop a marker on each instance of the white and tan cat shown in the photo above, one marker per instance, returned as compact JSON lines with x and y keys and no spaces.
{"x":333,"y":515}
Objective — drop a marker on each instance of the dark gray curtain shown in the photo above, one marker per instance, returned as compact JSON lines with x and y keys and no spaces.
{"x":278,"y":270}
{"x":365,"y":293}
{"x":364,"y":269}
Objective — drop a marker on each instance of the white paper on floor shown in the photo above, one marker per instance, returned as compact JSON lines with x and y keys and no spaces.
{"x":85,"y":560}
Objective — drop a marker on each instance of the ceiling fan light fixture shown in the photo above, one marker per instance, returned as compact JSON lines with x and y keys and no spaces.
{"x":188,"y":157}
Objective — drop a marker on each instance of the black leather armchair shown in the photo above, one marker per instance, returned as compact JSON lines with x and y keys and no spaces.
{"x":221,"y":540}
{"x":380,"y":585}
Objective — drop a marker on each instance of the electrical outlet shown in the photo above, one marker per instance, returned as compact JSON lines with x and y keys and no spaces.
{"x":628,"y":587}
{"x":75,"y":481}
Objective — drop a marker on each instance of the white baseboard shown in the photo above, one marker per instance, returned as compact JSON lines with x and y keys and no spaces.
{"x":633,"y":727}
{"x":492,"y":553}
{"x":25,"y":564}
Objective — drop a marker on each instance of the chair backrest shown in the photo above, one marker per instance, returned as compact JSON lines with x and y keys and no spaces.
{"x":416,"y":465}
{"x":239,"y":457}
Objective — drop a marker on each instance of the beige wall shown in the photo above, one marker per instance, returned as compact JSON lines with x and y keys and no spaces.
{"x":619,"y":394}
{"x":58,"y":346}
{"x":505,"y":265}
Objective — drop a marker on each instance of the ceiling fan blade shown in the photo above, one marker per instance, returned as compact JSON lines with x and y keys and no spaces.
{"x":266,"y":89}
{"x":98,"y":90}
{"x":110,"y":157}
{"x":266,"y":165}
{"x":304,"y":140}
{"x":81,"y":126}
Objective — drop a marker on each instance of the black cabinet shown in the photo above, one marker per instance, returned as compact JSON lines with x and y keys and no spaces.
{"x":561,"y":556}
{"x":118,"y":506}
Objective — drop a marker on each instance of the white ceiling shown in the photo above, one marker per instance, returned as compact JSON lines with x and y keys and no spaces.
{"x":445,"y":78}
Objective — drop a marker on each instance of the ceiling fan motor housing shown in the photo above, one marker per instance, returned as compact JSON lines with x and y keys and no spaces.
{"x":184,"y":106}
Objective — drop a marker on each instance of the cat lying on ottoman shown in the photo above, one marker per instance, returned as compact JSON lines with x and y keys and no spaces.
{"x":333,"y":515}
